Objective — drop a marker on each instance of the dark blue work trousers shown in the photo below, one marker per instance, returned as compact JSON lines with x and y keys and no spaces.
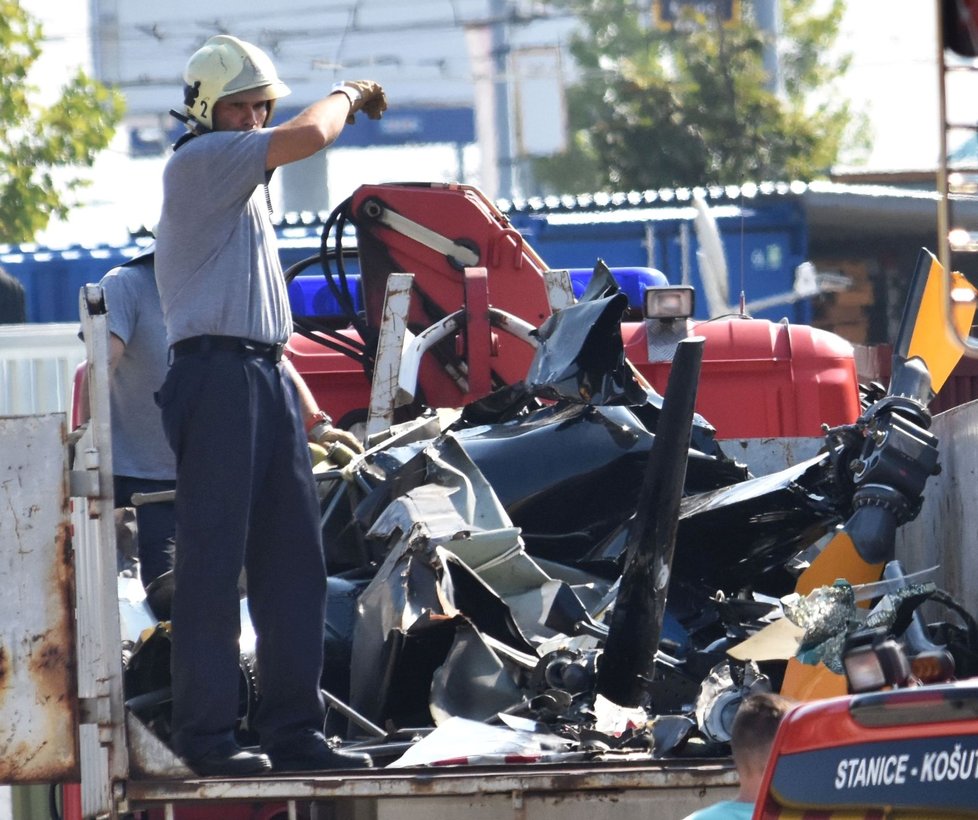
{"x":245,"y":496}
{"x":154,"y":524}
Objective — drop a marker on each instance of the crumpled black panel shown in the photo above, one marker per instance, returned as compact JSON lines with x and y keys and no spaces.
{"x":581,"y":356}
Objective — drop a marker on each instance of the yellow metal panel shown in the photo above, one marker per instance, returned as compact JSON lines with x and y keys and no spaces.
{"x":932,"y":340}
{"x":803,"y":681}
{"x":839,"y":559}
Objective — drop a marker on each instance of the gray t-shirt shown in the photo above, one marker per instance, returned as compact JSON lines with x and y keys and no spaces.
{"x":217,"y":263}
{"x":139,"y":447}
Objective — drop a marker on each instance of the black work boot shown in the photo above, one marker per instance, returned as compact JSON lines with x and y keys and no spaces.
{"x":309,"y":751}
{"x":229,"y":760}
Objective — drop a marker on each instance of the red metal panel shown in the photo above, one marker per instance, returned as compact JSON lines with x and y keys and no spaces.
{"x":763,"y":379}
{"x":458,"y":214}
{"x":478,"y":333}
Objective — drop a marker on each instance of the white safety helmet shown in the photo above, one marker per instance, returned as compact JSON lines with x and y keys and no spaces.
{"x":223,"y":66}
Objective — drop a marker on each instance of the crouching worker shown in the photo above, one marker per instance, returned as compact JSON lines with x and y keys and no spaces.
{"x":245,"y":489}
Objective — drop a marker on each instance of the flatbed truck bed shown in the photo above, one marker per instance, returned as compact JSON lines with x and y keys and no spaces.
{"x":659,"y":789}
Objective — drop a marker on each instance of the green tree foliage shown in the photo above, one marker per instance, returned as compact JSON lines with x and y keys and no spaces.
{"x":42,"y":148}
{"x":692,"y":105}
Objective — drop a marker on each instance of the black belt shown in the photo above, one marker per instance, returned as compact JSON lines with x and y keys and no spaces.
{"x":235,"y":344}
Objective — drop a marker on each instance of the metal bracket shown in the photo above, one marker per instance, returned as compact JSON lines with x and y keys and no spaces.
{"x":95,"y":710}
{"x":83,"y":484}
{"x":560,"y":289}
{"x":457,"y":254}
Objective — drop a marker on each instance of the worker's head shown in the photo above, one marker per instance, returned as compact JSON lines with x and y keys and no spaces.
{"x":752,"y":734}
{"x":229,"y":71}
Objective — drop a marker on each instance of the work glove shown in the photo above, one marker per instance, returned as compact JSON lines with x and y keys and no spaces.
{"x":364,"y":95}
{"x":325,"y":435}
{"x":336,"y":457}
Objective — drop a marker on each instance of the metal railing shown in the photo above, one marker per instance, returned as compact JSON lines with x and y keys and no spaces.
{"x":37,"y":367}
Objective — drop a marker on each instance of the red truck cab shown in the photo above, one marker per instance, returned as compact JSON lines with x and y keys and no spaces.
{"x":909,"y":752}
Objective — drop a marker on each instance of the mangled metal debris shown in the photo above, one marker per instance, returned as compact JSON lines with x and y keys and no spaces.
{"x":570,"y":567}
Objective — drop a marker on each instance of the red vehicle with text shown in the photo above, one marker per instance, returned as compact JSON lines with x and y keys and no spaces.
{"x":902,"y":753}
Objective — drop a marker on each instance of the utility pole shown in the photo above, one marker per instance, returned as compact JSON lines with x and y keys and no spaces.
{"x":769,"y":21}
{"x":499,"y":26}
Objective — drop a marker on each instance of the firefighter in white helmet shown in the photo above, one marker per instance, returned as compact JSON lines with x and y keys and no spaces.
{"x":225,"y":66}
{"x":245,"y":490}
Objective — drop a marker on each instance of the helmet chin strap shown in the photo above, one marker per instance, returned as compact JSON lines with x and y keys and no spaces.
{"x":195,"y":126}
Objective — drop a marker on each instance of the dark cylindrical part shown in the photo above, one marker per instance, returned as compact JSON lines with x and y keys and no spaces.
{"x":627,"y":664}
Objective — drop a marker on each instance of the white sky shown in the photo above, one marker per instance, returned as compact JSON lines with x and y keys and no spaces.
{"x":893,"y":79}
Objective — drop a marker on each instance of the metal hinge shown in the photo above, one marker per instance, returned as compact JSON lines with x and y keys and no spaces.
{"x":84,"y":483}
{"x":95,"y":710}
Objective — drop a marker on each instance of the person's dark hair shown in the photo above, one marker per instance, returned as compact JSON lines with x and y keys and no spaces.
{"x":12,"y":299}
{"x":755,"y":726}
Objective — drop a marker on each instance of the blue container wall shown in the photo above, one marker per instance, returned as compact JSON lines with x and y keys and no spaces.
{"x":53,"y":279}
{"x":762,"y":248}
